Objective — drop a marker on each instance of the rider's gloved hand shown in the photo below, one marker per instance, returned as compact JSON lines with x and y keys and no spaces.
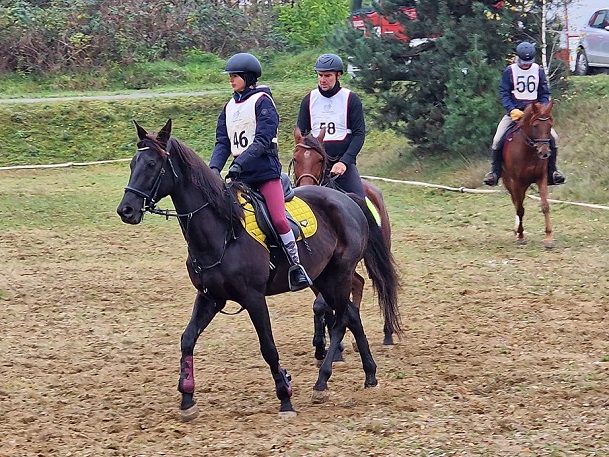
{"x":216,"y":171}
{"x":234,"y":171}
{"x":516,"y":114}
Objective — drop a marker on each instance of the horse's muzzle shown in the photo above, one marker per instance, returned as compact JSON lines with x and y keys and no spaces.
{"x":128,"y":212}
{"x":543,"y":150}
{"x":543,"y":154}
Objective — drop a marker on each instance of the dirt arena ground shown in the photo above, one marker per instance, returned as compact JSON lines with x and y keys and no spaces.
{"x":506,"y":350}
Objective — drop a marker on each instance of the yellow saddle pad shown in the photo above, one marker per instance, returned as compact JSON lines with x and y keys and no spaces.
{"x":298,"y":209}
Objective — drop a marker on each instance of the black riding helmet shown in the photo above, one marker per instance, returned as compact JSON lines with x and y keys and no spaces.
{"x":244,"y":64}
{"x":329,"y":62}
{"x":526,"y":52}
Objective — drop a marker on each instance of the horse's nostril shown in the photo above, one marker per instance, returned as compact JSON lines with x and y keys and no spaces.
{"x":126,"y":211}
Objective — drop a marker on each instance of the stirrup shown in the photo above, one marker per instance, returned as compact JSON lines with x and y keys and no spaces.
{"x":491,"y":179}
{"x":557,"y":178}
{"x":300,"y":283}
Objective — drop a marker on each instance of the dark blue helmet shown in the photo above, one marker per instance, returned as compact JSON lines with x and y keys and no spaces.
{"x":526,"y":52}
{"x":243,"y":63}
{"x":329,"y":62}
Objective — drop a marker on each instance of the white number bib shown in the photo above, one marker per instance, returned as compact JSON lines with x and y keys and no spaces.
{"x":330,"y":113}
{"x":241,"y":123}
{"x":526,"y":82}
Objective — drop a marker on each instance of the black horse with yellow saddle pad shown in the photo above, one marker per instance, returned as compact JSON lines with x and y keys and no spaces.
{"x":226,"y":263}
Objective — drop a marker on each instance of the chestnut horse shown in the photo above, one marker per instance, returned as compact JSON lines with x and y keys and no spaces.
{"x":311,"y":166}
{"x":226,"y":263}
{"x":525,"y":162}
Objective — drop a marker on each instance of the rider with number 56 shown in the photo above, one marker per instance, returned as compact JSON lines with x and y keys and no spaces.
{"x":340,"y":111}
{"x":247,"y":130}
{"x":522,"y":83}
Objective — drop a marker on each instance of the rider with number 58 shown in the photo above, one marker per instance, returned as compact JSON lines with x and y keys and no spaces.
{"x":522,"y":83}
{"x":340,"y":111}
{"x":247,"y":130}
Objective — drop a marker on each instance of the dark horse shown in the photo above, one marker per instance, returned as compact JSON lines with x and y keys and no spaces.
{"x":311,"y":166}
{"x":525,"y":161}
{"x":226,"y":263}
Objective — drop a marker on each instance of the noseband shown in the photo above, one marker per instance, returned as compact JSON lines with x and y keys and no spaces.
{"x":149,"y":197}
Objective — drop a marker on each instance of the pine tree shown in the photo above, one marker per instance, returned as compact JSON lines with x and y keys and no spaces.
{"x":441,"y":93}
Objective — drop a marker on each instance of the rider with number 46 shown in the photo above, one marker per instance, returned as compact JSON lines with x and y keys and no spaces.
{"x":340,"y":111}
{"x":522,"y":83}
{"x":247,"y":130}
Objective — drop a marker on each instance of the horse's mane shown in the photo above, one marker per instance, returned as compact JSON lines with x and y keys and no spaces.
{"x":204,"y":179}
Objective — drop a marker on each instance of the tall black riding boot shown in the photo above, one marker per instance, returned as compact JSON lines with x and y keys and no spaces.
{"x":492,"y":177}
{"x":555,"y":177}
{"x":298,"y":278}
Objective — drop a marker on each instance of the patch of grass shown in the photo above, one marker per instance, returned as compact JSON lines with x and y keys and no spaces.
{"x":80,"y":131}
{"x":197,"y":71}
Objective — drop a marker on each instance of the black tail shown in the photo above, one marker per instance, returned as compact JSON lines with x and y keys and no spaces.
{"x":382,"y":270}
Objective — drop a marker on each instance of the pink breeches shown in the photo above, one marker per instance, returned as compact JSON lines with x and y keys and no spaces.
{"x":272,"y":191}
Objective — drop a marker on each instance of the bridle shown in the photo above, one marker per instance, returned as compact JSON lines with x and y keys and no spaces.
{"x":317,"y":179}
{"x":150,"y":197}
{"x":538,"y":143}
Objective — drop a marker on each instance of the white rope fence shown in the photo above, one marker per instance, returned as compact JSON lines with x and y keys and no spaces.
{"x":62,"y":165}
{"x":480,"y":191}
{"x":464,"y":190}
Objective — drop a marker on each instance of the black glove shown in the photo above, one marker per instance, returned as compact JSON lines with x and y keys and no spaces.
{"x":216,"y":171}
{"x":234,"y":171}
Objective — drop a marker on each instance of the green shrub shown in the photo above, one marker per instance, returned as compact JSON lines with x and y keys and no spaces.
{"x":310,"y":22}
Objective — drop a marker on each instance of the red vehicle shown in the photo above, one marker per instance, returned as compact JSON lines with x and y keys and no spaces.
{"x":382,"y":25}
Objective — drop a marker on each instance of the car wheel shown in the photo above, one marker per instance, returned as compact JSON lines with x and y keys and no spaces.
{"x":581,"y":63}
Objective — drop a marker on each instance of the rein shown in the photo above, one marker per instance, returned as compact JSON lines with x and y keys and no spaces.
{"x":150,"y":203}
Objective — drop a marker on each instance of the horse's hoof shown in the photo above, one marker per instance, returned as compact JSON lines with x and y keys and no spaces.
{"x":320,"y":396}
{"x":354,"y":346}
{"x":186,"y":415}
{"x":318,"y":362}
{"x":548,"y":244}
{"x":521,"y":242}
{"x":287,"y":414}
{"x":376,"y":386}
{"x":339,"y":357}
{"x":388,"y":341}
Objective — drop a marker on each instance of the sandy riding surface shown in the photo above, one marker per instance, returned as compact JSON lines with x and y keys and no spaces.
{"x":494,"y":362}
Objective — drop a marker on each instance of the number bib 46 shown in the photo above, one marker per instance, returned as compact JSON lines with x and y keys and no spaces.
{"x":526,"y":82}
{"x":241,"y":123}
{"x":330,"y":113}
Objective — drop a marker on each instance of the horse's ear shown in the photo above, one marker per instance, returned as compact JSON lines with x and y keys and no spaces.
{"x":322,"y":134}
{"x":535,"y":108}
{"x":297,"y":135}
{"x":165,"y":133}
{"x":141,"y":133}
